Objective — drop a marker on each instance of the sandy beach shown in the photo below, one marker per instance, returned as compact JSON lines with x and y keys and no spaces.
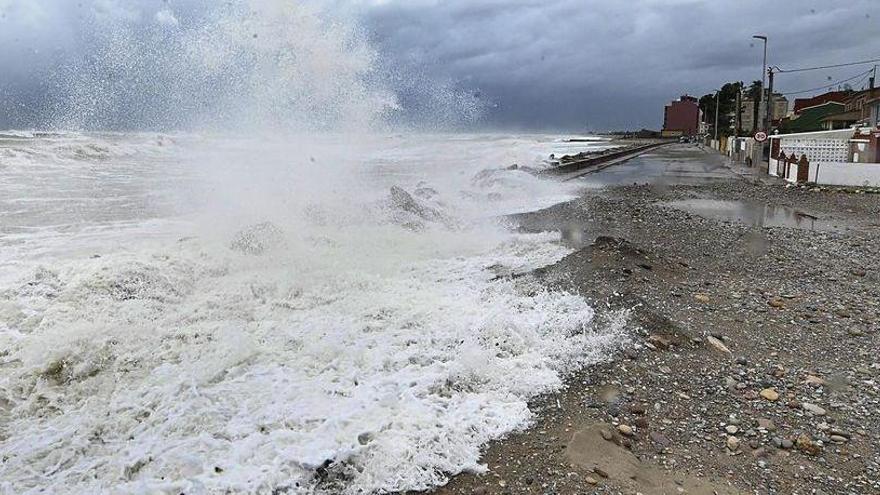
{"x":753,"y":367}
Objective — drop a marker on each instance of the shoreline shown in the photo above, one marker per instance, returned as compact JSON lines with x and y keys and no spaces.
{"x":753,"y":369}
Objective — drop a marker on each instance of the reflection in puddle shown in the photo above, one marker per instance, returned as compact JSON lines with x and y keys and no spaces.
{"x":753,"y":213}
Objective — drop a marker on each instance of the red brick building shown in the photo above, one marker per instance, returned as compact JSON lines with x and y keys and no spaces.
{"x":682,"y":117}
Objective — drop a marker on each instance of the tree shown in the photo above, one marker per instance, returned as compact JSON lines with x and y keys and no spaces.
{"x":727,"y":109}
{"x":755,"y":93}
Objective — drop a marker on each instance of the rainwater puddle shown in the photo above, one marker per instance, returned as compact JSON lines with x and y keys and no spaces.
{"x":755,"y":213}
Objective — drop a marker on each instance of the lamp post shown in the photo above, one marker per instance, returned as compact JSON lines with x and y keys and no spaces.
{"x":717,"y":102}
{"x":763,"y":78}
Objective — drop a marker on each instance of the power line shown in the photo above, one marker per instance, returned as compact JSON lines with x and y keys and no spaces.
{"x":833,"y":83}
{"x":804,"y":69}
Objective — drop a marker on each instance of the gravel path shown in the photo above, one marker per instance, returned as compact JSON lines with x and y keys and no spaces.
{"x":755,"y":367}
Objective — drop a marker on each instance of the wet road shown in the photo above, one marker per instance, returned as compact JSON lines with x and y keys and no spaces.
{"x":670,"y":165}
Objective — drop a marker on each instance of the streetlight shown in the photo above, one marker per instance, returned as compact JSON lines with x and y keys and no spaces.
{"x":763,"y":76}
{"x":717,"y":104}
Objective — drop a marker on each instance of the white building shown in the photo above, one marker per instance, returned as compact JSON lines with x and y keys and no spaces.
{"x":845,"y":157}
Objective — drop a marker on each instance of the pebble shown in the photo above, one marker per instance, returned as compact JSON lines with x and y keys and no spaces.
{"x":731,"y":430}
{"x":839,"y":439}
{"x":807,"y":445}
{"x":814,"y":381}
{"x":770,"y":394}
{"x":625,"y":430}
{"x":591,"y":481}
{"x":607,"y":435}
{"x":733,"y":444}
{"x":813,"y":409}
{"x":718,"y":345}
{"x":701,"y":298}
{"x":767,"y":424}
{"x":776,"y":302}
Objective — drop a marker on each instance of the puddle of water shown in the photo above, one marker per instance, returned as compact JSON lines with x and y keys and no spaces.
{"x":754,"y":213}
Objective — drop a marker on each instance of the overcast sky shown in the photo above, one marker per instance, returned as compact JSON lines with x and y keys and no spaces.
{"x":573,"y":64}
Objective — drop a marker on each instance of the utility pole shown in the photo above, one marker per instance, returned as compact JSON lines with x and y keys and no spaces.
{"x":763,"y":78}
{"x":769,"y":102}
{"x":738,"y":118}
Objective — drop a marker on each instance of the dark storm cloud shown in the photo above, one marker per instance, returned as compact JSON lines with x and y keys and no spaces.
{"x":614,"y":64}
{"x":540,"y":64}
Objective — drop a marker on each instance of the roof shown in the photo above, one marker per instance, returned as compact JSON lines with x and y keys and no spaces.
{"x":853,"y":116}
{"x":801,"y":104}
{"x":810,"y":119}
{"x":846,"y":133}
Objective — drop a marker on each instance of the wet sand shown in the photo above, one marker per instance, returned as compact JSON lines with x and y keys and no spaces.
{"x":753,"y":367}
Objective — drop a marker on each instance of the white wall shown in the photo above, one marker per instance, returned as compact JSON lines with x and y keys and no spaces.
{"x":844,"y":174}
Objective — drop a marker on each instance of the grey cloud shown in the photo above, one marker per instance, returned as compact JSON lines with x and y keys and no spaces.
{"x":574,"y":63}
{"x":535,"y":63}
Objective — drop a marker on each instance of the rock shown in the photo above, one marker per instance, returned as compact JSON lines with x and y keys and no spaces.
{"x":408,"y":211}
{"x":786,"y":444}
{"x":839,"y":439}
{"x":659,"y":341}
{"x":660,"y":439}
{"x":760,"y":452}
{"x":601,"y":472}
{"x":481,"y":490}
{"x":814,"y":381}
{"x":770,"y":394}
{"x":701,"y":298}
{"x":731,"y":430}
{"x":718,"y":345}
{"x":767,"y":424}
{"x":776,"y":302}
{"x":839,"y":432}
{"x":625,"y":430}
{"x":732,"y":444}
{"x":591,"y":481}
{"x":806,"y":445}
{"x":642,"y":423}
{"x":607,"y":435}
{"x":813,"y":409}
{"x":637,"y":409}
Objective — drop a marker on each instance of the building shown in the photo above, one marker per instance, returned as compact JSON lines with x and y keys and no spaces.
{"x":800,"y":104}
{"x":832,"y":111}
{"x":682,"y":117}
{"x":747,"y":109}
{"x":860,"y":104}
{"x":873,"y":110}
{"x":844,"y":157}
{"x":810,"y":119}
{"x":843,"y":120}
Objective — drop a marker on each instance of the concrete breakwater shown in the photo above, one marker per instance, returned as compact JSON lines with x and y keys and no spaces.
{"x":571,"y":167}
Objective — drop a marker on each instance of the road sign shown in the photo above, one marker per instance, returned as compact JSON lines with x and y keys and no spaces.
{"x":760,"y":136}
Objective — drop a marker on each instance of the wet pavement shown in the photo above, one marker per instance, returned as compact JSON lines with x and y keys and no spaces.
{"x":755,"y":214}
{"x":670,"y":165}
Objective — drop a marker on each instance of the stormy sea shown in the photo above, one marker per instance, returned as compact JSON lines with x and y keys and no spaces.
{"x":309,"y":301}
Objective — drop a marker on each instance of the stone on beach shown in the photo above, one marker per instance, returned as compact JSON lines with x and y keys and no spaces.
{"x":718,"y":345}
{"x":770,"y":394}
